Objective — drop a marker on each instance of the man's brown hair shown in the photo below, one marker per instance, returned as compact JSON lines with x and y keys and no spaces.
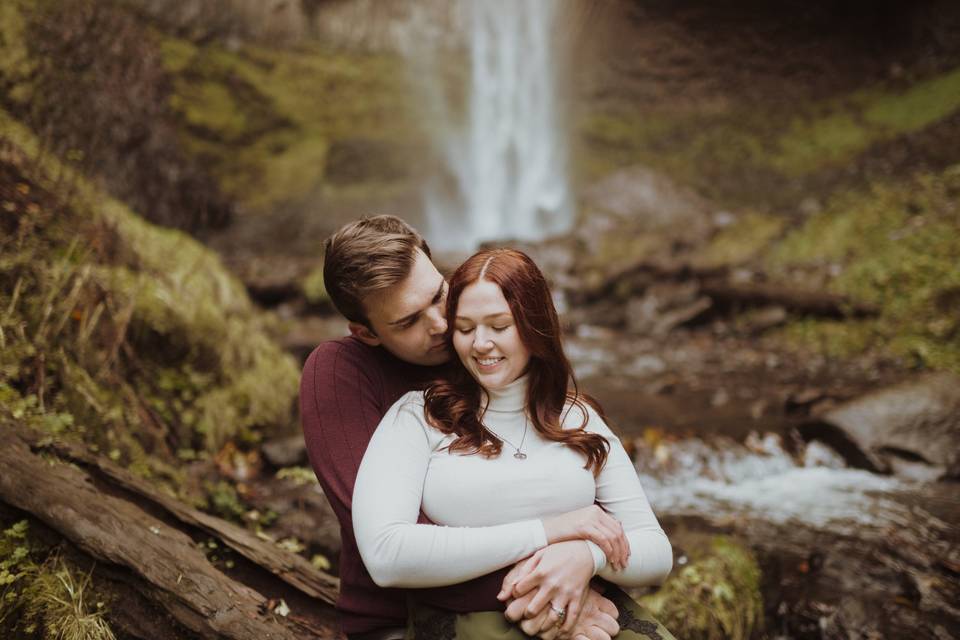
{"x":365,"y":256}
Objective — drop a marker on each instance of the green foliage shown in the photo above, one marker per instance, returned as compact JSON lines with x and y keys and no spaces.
{"x":314,"y":289}
{"x":897,"y":247}
{"x":298,"y":475}
{"x":224,"y":500}
{"x":16,"y":567}
{"x":714,"y":597}
{"x":130,"y":337}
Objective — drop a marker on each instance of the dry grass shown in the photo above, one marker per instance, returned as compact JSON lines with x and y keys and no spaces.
{"x":57,"y":605}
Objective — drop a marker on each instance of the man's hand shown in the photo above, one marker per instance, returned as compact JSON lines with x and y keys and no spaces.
{"x":556,"y":579}
{"x":597,"y":621}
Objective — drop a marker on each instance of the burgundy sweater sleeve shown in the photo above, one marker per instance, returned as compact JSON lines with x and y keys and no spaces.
{"x":340,"y":407}
{"x":345,"y":390}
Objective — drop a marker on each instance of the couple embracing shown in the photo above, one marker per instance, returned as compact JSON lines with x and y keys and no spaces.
{"x":480,"y":495}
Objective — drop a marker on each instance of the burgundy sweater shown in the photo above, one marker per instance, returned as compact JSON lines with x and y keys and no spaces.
{"x":345,"y":390}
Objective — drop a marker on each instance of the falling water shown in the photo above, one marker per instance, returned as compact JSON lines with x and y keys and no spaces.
{"x":503,"y":151}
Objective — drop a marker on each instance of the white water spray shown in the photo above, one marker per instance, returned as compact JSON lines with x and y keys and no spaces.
{"x":504,"y":159}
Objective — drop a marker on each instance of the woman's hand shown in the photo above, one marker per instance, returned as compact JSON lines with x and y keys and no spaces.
{"x":594,"y":524}
{"x":560,"y":573}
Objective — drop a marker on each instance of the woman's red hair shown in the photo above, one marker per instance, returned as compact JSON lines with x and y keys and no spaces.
{"x":454,"y":404}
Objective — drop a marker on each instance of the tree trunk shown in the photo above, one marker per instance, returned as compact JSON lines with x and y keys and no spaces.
{"x":119,"y":519}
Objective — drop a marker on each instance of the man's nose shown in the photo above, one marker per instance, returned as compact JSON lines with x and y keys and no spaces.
{"x":438,"y":323}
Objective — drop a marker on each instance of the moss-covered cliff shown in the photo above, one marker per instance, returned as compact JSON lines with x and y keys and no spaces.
{"x":130,"y":337}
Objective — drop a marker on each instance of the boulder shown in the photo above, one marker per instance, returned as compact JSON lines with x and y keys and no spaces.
{"x":915,"y":421}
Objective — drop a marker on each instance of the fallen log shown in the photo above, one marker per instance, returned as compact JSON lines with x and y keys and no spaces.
{"x":119,"y":520}
{"x":816,"y":303}
{"x":716,"y":284}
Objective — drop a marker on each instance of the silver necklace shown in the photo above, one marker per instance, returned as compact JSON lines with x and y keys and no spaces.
{"x":519,"y":455}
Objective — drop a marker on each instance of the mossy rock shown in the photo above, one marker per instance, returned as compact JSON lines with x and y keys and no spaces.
{"x":715,"y":596}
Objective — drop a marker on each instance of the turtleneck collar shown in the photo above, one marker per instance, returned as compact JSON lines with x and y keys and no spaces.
{"x":510,"y":398}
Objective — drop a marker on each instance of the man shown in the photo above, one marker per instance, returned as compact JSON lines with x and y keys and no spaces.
{"x":379,"y":275}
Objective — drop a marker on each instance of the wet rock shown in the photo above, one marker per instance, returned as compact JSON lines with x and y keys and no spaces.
{"x":285,"y":452}
{"x":715,"y":595}
{"x":917,"y":421}
{"x":319,"y":529}
{"x":645,"y":366}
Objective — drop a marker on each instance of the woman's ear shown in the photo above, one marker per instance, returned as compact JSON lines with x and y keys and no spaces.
{"x":363,"y":333}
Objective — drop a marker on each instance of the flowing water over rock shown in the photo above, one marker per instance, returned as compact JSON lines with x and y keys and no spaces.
{"x":844,"y":552}
{"x":500,"y":139}
{"x":760,"y":479}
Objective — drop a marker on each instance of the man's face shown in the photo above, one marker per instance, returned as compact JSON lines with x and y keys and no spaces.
{"x":408,"y":319}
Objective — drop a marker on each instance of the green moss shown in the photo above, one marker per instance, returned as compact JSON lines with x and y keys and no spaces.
{"x":923,"y":103}
{"x":849,"y":125}
{"x":895,"y":247}
{"x":715,"y":596}
{"x":759,"y":154}
{"x":811,"y":143}
{"x":264,"y":119}
{"x":16,"y":65}
{"x":211,"y":107}
{"x":741,"y":241}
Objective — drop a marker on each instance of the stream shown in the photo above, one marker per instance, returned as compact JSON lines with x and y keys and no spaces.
{"x":844,"y":552}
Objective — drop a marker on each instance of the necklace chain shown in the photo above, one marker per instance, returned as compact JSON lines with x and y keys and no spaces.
{"x":519,"y":455}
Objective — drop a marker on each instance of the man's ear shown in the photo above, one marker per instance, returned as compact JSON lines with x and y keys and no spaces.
{"x":363,"y":333}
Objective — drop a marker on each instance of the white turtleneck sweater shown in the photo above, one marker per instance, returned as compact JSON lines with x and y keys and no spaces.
{"x":488,"y":510}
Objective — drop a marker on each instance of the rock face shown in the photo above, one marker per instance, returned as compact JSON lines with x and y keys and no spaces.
{"x":917,"y":421}
{"x":642,"y":193}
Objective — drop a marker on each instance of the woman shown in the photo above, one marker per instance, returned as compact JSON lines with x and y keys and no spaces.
{"x":503,"y":455}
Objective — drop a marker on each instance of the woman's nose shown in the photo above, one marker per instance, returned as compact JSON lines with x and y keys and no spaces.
{"x":482,"y":341}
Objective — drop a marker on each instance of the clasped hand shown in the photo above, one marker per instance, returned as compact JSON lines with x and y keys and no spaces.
{"x":557,"y":578}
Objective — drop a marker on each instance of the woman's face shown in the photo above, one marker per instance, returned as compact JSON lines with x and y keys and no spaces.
{"x":485,"y":336}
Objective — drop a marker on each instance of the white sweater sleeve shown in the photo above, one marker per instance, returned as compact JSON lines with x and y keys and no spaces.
{"x":620,"y":494}
{"x":396,"y":550}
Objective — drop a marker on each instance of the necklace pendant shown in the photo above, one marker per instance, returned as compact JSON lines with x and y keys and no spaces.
{"x":519,"y":455}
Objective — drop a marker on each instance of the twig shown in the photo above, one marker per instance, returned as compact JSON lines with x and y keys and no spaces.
{"x":41,"y":378}
{"x":124,"y":321}
{"x":14,"y":298}
{"x":54,"y":290}
{"x":71,"y":299}
{"x":89,"y":324}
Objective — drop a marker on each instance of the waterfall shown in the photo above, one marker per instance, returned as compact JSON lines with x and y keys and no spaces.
{"x":502,"y":148}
